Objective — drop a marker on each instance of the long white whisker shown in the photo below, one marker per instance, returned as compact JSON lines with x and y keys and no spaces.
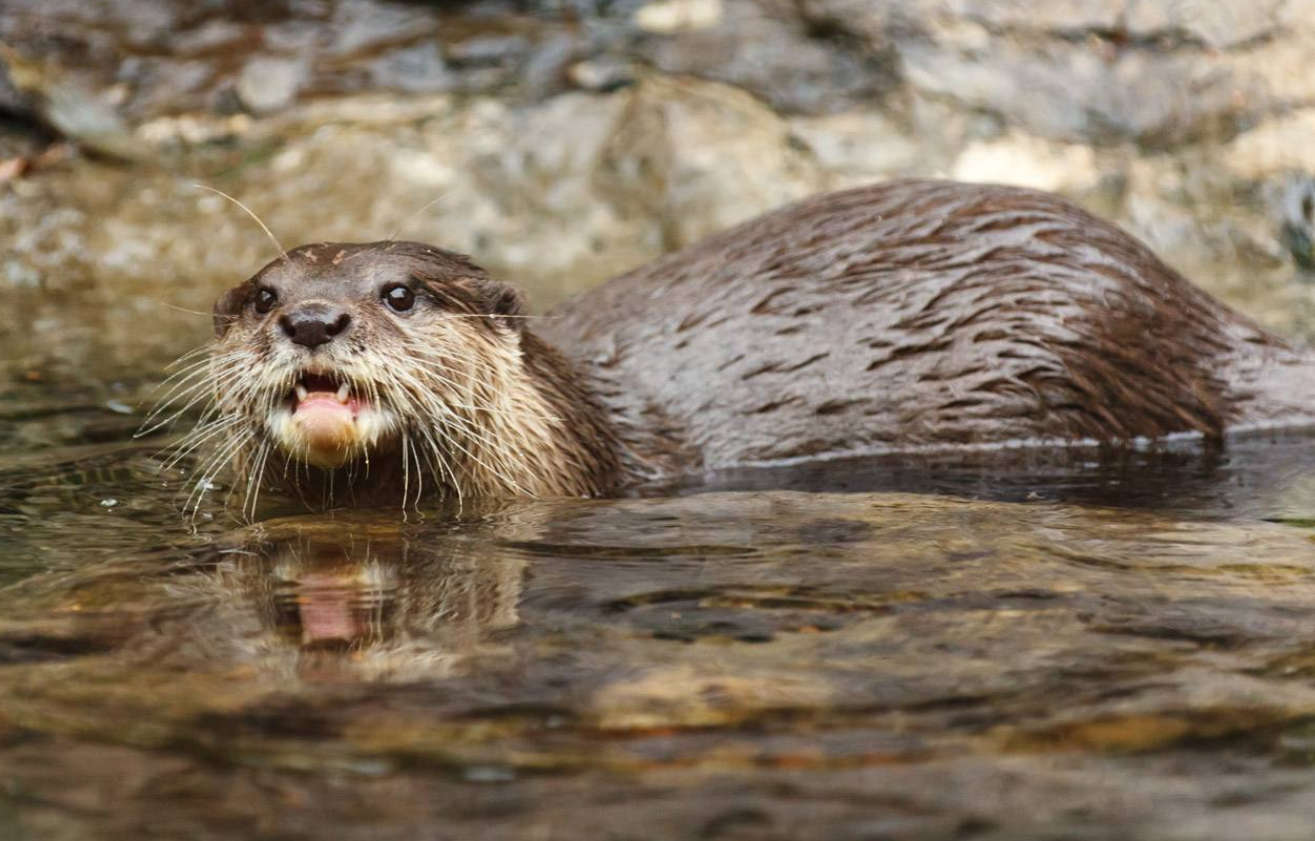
{"x":282,"y":252}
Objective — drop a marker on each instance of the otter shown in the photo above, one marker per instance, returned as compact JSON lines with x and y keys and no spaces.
{"x":898,"y":317}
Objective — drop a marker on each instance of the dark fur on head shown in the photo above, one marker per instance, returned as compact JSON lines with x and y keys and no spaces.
{"x":451,"y":279}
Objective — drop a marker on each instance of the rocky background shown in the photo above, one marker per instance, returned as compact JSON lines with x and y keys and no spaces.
{"x":562,"y":142}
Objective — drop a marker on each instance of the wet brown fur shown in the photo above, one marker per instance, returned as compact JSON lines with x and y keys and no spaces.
{"x":920,"y":314}
{"x":535,"y":428}
{"x":905,"y":315}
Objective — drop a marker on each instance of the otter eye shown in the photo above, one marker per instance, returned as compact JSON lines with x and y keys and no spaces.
{"x":399,"y":298}
{"x":265,"y":300}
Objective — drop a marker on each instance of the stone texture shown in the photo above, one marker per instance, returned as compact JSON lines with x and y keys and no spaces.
{"x":269,"y":84}
{"x":1187,"y":122}
{"x":764,"y":47}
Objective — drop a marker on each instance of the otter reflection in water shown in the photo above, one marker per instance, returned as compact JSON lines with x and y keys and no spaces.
{"x":341,"y":603}
{"x":903,"y":317}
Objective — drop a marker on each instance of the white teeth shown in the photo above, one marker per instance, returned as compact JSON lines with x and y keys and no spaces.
{"x":302,"y":393}
{"x":342,"y":393}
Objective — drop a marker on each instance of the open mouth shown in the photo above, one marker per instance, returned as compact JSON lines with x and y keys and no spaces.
{"x":327,"y":420}
{"x":323,"y":422}
{"x":323,"y":391}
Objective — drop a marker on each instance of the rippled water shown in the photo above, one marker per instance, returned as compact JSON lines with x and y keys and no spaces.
{"x":1024,"y":645}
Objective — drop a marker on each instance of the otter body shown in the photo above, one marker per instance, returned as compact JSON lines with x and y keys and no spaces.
{"x":921,"y":314}
{"x":896,"y":317}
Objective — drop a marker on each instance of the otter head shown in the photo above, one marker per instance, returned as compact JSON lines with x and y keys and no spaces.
{"x":344,"y":355}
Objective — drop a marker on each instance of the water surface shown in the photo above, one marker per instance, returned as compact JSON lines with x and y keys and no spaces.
{"x":1021,"y":645}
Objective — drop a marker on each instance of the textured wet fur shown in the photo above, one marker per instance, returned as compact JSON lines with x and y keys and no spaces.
{"x":920,"y":314}
{"x":914,"y":314}
{"x":464,"y":400}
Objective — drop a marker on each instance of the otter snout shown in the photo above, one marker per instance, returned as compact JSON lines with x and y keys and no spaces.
{"x":313,"y":324}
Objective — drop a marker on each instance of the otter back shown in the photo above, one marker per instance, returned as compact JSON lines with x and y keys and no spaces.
{"x":919,"y":314}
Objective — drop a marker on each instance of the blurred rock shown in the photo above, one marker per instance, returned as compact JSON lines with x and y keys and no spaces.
{"x":56,"y":98}
{"x":601,"y":75}
{"x":860,"y":147}
{"x":1102,"y":71}
{"x":1274,"y":145}
{"x":1219,"y":26}
{"x":416,"y":69}
{"x":361,"y":27}
{"x":665,"y":17}
{"x":1084,"y":91}
{"x":179,"y":57}
{"x":767,"y":49}
{"x":545,"y":70}
{"x":489,"y":49}
{"x":11,"y":100}
{"x":703,"y":157}
{"x":270,"y":84}
{"x":1296,"y":211}
{"x":1055,"y":16}
{"x":561,"y":144}
{"x":1028,"y":162}
{"x":555,"y":197}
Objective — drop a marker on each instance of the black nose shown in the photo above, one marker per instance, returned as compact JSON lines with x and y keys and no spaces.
{"x":312,"y":325}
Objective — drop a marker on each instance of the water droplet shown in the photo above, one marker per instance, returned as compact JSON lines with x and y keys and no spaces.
{"x":108,"y":503}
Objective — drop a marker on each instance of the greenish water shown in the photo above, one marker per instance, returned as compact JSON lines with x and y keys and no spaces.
{"x":1021,"y":647}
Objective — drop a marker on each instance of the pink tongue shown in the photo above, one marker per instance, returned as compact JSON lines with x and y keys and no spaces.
{"x":323,"y":401}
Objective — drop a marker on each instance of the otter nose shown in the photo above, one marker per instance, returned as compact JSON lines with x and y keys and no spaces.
{"x":312,"y":325}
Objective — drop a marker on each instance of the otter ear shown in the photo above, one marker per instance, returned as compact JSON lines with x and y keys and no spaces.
{"x":500,"y":299}
{"x":228,"y":308}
